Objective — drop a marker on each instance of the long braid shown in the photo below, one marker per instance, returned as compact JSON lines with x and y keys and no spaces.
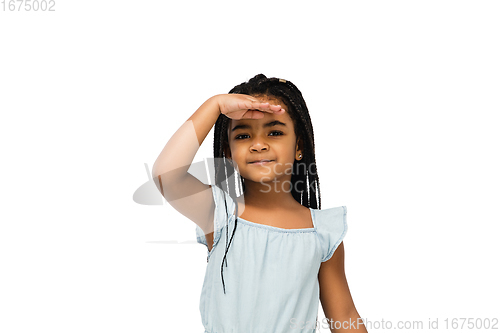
{"x":302,"y":180}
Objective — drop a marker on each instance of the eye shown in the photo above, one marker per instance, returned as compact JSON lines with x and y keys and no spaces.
{"x":240,"y":136}
{"x":276,"y":133}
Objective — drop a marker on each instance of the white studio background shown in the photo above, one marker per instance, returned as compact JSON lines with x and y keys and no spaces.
{"x":404,"y":99}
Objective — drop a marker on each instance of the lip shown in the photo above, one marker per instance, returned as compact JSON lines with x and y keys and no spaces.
{"x":261,"y":162}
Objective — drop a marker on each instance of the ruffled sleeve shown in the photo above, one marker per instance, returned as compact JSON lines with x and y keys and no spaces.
{"x":221,"y":217}
{"x":331,"y":226}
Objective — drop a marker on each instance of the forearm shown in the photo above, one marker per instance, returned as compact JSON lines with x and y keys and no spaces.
{"x":179,"y":152}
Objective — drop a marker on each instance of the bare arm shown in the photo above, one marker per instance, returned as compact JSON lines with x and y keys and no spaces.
{"x":183,"y":191}
{"x":335,"y":296}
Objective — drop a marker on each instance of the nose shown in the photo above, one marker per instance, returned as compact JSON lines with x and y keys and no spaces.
{"x":259,"y":145}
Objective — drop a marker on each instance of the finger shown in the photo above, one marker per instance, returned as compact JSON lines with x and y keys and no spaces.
{"x":263,"y":106}
{"x":266,"y":107}
{"x":253,"y":114}
{"x":275,"y":107}
{"x":257,"y":105}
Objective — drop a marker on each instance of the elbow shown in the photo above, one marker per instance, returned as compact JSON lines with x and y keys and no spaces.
{"x":155,"y":170}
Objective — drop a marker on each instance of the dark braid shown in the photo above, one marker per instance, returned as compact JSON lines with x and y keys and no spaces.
{"x":304,"y":172}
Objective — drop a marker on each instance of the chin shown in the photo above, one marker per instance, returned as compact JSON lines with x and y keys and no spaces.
{"x":258,"y":178}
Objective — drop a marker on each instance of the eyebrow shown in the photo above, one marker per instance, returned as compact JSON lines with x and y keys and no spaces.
{"x":269,"y":124}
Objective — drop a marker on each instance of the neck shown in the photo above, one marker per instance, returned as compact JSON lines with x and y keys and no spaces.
{"x":269,"y":195}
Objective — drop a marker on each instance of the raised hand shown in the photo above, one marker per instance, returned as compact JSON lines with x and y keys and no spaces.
{"x":239,"y":106}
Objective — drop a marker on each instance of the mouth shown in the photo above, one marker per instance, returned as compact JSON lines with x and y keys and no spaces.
{"x":260,"y":162}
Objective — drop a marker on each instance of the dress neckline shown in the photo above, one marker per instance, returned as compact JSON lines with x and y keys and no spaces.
{"x":268,"y":227}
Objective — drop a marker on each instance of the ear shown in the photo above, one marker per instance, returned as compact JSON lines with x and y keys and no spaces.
{"x":298,"y":149}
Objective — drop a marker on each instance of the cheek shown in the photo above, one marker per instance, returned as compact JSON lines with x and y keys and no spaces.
{"x":233,"y":148}
{"x":237,"y":152}
{"x":288,"y":151}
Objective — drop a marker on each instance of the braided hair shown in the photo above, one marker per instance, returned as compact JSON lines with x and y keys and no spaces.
{"x":304,"y":178}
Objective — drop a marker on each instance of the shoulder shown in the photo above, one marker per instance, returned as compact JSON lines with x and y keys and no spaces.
{"x":331,"y":227}
{"x":330,"y":219}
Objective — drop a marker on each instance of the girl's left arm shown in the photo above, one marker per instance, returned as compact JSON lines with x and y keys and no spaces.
{"x":335,"y":296}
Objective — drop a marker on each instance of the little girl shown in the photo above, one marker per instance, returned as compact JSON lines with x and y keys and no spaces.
{"x":273,"y":254}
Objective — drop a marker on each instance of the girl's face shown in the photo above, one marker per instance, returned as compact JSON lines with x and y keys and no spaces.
{"x":264,"y":149}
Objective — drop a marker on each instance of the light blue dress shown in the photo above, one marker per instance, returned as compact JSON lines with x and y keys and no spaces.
{"x":271,"y":277}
